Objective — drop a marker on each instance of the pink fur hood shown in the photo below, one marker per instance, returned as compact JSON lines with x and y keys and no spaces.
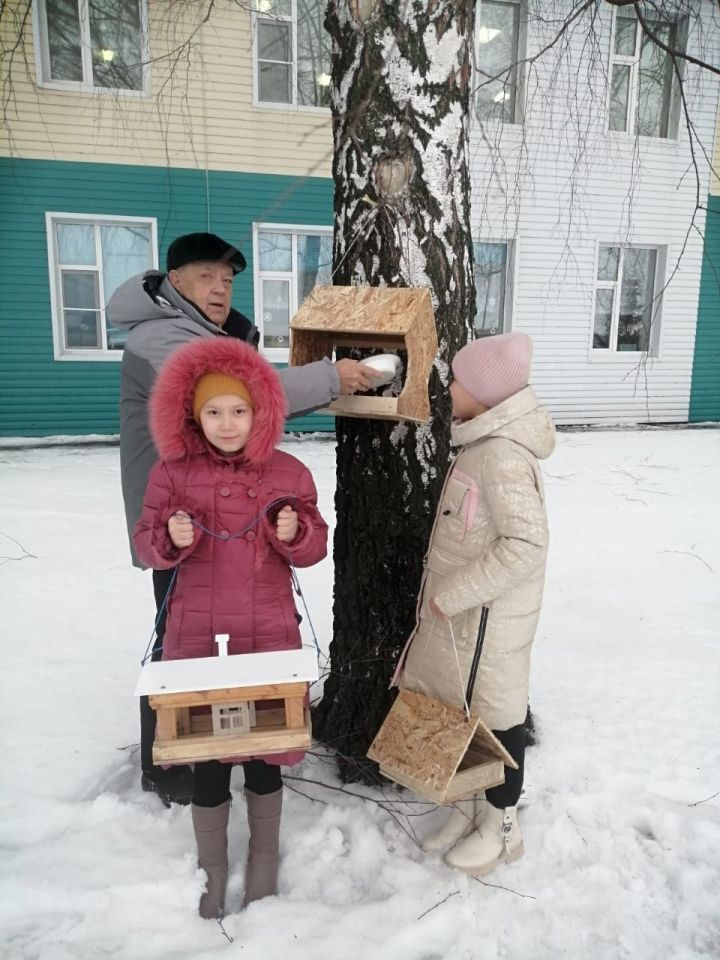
{"x":174,"y":430}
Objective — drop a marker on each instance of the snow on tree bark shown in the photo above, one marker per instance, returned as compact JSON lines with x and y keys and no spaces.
{"x":401,"y":85}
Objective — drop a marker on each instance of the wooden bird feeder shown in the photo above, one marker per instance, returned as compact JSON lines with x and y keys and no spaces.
{"x":211,"y":708}
{"x":436,"y":751}
{"x":389,"y":319}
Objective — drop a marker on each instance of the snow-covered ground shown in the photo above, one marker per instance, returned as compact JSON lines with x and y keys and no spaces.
{"x":622,"y":821}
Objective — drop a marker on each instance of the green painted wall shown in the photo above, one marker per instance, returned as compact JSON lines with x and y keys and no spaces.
{"x":40,"y":396}
{"x":705,"y":391}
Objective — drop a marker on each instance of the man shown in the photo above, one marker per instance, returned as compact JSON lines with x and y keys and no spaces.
{"x":161,"y":313}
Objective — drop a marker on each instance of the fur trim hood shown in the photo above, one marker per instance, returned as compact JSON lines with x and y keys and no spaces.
{"x":175,"y":432}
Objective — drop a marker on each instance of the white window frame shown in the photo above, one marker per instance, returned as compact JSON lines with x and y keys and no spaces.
{"x":269,"y":17}
{"x":520,"y":86}
{"x":42,"y":55}
{"x":509,"y":293}
{"x":611,"y":353}
{"x":52,"y":219}
{"x":279,"y":354}
{"x":634,"y":87}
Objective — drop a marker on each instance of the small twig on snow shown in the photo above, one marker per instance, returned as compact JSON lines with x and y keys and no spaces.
{"x":383,"y":804}
{"x":25,"y":553}
{"x":690,"y":553}
{"x":526,"y":896}
{"x":698,"y":802}
{"x":301,"y":794}
{"x":438,"y":904}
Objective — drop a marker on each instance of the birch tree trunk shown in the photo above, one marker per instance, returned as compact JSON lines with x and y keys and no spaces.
{"x":400,"y":99}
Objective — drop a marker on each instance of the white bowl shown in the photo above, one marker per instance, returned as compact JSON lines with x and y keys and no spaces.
{"x":386,"y":363}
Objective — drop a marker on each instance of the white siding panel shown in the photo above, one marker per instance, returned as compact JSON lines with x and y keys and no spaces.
{"x":560,"y":184}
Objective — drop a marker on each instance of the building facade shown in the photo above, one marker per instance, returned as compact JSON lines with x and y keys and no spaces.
{"x":126,"y":128}
{"x":124,"y":133}
{"x":589,"y":190}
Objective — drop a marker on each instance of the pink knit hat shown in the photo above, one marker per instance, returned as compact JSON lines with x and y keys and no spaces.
{"x":494,"y":368}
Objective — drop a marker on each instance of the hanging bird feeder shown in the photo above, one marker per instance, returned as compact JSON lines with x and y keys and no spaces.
{"x":390,"y":319}
{"x":212,"y":708}
{"x":439,"y":752}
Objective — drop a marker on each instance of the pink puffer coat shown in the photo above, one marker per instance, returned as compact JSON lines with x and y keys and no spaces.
{"x":236,"y":579}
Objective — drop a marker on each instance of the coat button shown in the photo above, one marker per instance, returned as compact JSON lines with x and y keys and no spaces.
{"x":224,"y":534}
{"x":250,"y":535}
{"x":251,"y":492}
{"x":224,"y":491}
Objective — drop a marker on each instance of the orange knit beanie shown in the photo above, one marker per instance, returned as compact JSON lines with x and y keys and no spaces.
{"x":217,"y":385}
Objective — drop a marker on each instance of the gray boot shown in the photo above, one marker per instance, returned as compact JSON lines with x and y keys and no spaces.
{"x":210,"y":825}
{"x":263,"y":812}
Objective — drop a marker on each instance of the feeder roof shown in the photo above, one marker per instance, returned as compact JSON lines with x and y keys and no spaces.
{"x":218,"y":673}
{"x":376,"y":310}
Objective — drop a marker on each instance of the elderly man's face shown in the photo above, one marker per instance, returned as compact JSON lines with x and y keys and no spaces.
{"x":208,"y":284}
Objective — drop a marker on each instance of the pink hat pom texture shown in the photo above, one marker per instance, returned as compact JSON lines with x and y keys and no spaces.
{"x":494,"y":368}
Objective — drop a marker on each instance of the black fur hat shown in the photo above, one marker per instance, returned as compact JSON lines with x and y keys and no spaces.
{"x":203,"y":246}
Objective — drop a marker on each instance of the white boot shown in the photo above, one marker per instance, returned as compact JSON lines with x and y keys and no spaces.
{"x":461,"y":821}
{"x":497,"y":840}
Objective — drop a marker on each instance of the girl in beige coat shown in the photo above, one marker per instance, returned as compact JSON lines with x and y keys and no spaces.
{"x":483,"y":583}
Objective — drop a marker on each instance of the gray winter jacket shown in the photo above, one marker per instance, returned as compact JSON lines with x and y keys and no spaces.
{"x":159,"y":320}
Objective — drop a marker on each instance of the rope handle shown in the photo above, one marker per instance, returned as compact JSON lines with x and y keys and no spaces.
{"x":467,"y":692}
{"x":236,"y":536}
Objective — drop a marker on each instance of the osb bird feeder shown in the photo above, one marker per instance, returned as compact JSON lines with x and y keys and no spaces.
{"x":390,"y":319}
{"x":212,"y":708}
{"x":437,"y":751}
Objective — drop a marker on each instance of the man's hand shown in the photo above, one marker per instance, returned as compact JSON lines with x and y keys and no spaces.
{"x":181,"y":531}
{"x":354,"y":376}
{"x":438,"y":612}
{"x":286,"y":525}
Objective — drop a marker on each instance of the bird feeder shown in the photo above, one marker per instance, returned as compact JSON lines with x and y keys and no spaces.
{"x":212,"y":708}
{"x":438,"y":751}
{"x":390,"y":319}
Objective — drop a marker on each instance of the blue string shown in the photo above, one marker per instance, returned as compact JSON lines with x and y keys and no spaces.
{"x":233,"y":536}
{"x":296,"y":585}
{"x":149,"y":649}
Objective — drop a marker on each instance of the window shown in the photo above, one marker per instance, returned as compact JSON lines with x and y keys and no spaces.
{"x":289,"y":262}
{"x":92,"y":44}
{"x":626,"y":310}
{"x":291,"y":52}
{"x":89,"y":258}
{"x":642,"y":81}
{"x":492,"y":300}
{"x":498,"y":52}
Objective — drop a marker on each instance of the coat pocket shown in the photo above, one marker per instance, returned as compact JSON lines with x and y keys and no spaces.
{"x":459,"y":503}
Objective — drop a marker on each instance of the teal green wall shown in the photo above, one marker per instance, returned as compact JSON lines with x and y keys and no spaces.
{"x":41,"y":396}
{"x":705,"y":391}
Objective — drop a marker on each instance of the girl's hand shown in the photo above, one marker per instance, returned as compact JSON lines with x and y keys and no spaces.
{"x":286,"y":525}
{"x":180,"y":529}
{"x":438,"y":612}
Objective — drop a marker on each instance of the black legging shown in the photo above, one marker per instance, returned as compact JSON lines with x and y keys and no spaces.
{"x":508,"y":793}
{"x":161,"y":582}
{"x":211,"y":780}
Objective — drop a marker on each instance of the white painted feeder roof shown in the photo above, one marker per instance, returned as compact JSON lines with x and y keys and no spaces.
{"x":217,"y":673}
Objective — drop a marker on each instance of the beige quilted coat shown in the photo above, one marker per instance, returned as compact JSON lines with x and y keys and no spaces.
{"x":488,"y":547}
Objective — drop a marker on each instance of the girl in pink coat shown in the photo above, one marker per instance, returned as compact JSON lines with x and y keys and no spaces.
{"x":231,"y":512}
